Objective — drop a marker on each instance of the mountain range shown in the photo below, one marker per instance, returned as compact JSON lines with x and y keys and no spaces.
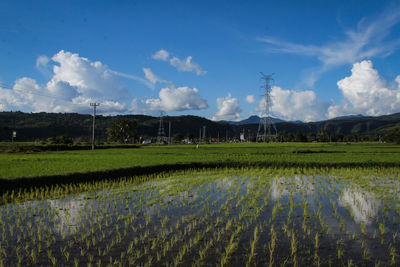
{"x":252,"y":119}
{"x":40,"y":126}
{"x":256,"y":119}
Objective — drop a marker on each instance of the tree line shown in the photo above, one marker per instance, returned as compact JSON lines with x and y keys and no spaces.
{"x":70,"y":128}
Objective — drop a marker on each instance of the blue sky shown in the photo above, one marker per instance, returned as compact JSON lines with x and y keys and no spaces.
{"x":329,"y":58}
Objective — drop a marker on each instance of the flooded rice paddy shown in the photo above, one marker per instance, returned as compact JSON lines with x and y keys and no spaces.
{"x":228,"y":218}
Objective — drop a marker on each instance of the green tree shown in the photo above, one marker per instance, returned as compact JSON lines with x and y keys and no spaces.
{"x":300,"y":137}
{"x":122,"y":131}
{"x":178,"y":138}
{"x":60,"y":140}
{"x":392,"y":136}
{"x":311,"y":137}
{"x":322,"y":136}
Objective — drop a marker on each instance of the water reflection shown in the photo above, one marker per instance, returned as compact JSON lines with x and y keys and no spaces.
{"x":181,"y":211}
{"x":282,"y":186}
{"x":67,"y":214}
{"x":363,"y":204}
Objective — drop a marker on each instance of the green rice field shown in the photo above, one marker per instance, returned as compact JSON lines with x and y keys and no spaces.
{"x":223,"y":217}
{"x":51,"y":163}
{"x":219,"y":205}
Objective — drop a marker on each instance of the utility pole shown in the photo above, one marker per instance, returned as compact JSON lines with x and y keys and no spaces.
{"x":200,"y":136}
{"x":169,"y":133}
{"x":94,"y":105}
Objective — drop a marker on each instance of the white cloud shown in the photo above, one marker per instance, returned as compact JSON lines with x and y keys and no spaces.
{"x":62,"y":89}
{"x":161,"y":55}
{"x":368,"y":39}
{"x":187,"y":65}
{"x":42,"y":61}
{"x":92,"y":79}
{"x":139,"y":106}
{"x":76,"y":81}
{"x":398,"y":80}
{"x":42,"y":64}
{"x":177,"y":99}
{"x":228,"y":109}
{"x":250,"y":99}
{"x":295,"y":105}
{"x":366,"y":92}
{"x":180,"y":64}
{"x":135,"y":78}
{"x":151,"y":77}
{"x":12,"y":99}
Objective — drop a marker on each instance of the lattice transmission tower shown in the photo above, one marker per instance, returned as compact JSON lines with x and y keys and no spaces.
{"x":266,"y":128}
{"x":161,"y":132}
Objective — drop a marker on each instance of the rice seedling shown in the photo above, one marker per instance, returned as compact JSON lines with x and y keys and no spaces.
{"x":200,"y":218}
{"x":271,"y":246}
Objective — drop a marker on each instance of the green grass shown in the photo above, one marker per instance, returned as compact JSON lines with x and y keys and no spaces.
{"x":50,"y":163}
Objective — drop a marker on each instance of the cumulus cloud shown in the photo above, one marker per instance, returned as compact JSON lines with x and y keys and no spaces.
{"x":250,"y":99}
{"x":139,"y":106}
{"x":366,"y":92}
{"x":177,"y":99}
{"x":42,"y":64}
{"x":76,"y":81}
{"x":161,"y":55}
{"x":187,"y":65}
{"x":228,"y":109}
{"x":10,"y":99}
{"x":92,"y":79}
{"x":295,"y":105}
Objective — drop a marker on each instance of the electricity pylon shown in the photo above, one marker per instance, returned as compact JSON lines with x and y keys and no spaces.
{"x":161,"y":132}
{"x":266,"y":128}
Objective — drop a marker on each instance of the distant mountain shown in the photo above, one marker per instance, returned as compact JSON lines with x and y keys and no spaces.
{"x":250,"y":120}
{"x":40,"y":126}
{"x":348,"y":117}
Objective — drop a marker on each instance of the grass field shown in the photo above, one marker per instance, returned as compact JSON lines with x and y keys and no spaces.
{"x":18,"y":165}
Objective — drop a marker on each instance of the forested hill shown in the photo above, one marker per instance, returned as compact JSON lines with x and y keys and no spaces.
{"x":40,"y":126}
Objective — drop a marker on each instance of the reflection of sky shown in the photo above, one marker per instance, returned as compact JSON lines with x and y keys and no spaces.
{"x":297,"y":183}
{"x":225,"y":183}
{"x":68,"y":216}
{"x":363,"y":204}
{"x":68,"y":213}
